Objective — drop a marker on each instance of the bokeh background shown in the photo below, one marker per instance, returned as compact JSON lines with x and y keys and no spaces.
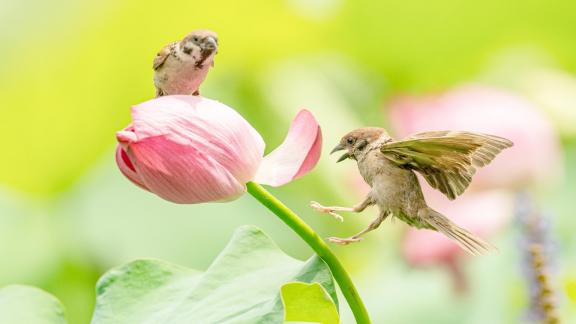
{"x":70,"y":70}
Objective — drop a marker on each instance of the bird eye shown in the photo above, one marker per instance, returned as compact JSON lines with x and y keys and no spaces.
{"x":195,"y":38}
{"x":350,"y":140}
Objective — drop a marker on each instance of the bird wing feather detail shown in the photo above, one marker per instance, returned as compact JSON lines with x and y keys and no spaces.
{"x":446,"y":159}
{"x":163,"y":55}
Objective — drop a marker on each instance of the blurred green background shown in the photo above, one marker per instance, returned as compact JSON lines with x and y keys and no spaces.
{"x":70,"y":70}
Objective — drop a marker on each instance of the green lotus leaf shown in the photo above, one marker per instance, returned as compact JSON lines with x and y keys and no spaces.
{"x":241,"y":286}
{"x":29,"y":305}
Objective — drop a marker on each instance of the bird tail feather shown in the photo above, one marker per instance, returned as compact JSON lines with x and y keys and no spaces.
{"x":466,"y":240}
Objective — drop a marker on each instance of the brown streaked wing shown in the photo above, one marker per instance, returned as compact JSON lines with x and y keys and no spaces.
{"x":163,"y":55}
{"x":446,"y":159}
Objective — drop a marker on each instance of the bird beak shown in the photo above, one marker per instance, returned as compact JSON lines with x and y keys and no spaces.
{"x":210,"y":43}
{"x":343,"y":157}
{"x":340,"y":147}
{"x":208,"y":47}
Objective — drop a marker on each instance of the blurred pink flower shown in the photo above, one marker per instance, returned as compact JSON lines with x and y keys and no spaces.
{"x":189,"y":149}
{"x":483,"y":213}
{"x":535,"y":156}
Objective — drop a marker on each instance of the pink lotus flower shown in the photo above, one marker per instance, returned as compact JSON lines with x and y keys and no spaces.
{"x":535,"y":157}
{"x":189,"y":149}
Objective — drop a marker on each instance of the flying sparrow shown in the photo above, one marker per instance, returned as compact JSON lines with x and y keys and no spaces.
{"x":180,"y":67}
{"x":446,"y":159}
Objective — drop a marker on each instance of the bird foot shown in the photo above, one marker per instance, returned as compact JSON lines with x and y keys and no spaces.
{"x":344,"y":241}
{"x":323,"y":209}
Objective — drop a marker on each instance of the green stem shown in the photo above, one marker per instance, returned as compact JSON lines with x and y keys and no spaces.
{"x":318,"y":245}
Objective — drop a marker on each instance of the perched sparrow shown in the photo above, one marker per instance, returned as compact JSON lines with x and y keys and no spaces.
{"x":446,"y":159}
{"x":180,"y":67}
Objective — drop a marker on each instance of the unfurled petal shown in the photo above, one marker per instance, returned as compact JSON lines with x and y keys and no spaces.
{"x":296,"y":156}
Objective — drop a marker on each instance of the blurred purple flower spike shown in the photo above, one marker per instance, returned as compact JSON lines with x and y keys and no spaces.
{"x":538,"y":252}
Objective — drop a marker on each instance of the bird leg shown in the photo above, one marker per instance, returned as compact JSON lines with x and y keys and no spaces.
{"x":357,"y":238}
{"x":331,"y":210}
{"x":159,"y":92}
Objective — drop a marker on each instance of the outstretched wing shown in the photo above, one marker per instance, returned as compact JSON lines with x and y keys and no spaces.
{"x":446,"y":159}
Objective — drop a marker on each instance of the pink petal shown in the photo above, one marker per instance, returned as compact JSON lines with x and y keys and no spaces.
{"x":426,"y":247}
{"x":188,"y":176}
{"x":127,"y":167}
{"x":296,"y":156}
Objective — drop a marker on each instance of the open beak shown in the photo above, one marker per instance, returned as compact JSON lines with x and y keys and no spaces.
{"x":340,"y":147}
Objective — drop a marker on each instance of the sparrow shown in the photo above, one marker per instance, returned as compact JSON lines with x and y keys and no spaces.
{"x":180,"y":67}
{"x":447,"y":160}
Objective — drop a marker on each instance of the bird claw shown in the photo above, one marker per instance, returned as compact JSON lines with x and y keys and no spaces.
{"x":344,"y":241}
{"x":323,"y":209}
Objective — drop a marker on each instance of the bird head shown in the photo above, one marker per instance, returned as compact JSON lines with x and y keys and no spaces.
{"x":203,"y":41}
{"x":356,"y":141}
